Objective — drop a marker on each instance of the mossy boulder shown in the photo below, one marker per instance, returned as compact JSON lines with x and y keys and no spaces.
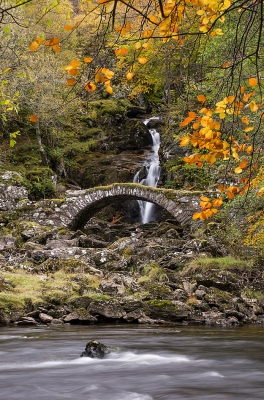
{"x":165,"y":310}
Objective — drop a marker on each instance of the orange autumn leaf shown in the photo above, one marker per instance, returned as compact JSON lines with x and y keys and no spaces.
{"x":56,"y":48}
{"x":218,"y":202}
{"x":88,"y":59}
{"x":71,"y":82}
{"x":34,"y":45}
{"x":204,"y":198}
{"x":73,"y":71}
{"x":249,"y":149}
{"x":198,"y":215}
{"x":192,"y":114}
{"x":243,"y":164}
{"x":245,"y":120}
{"x":233,"y":189}
{"x":90,"y":86}
{"x":201,"y":98}
{"x":53,"y":41}
{"x":230,"y":195}
{"x":222,"y":188}
{"x":253,"y":81}
{"x":121,"y":51}
{"x":109,"y":89}
{"x":33,"y":118}
{"x":75,"y":63}
{"x":68,"y":27}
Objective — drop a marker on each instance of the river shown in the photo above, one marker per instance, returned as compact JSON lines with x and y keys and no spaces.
{"x":153,"y":363}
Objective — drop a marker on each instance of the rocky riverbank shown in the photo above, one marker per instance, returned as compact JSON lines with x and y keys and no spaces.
{"x":119,"y":272}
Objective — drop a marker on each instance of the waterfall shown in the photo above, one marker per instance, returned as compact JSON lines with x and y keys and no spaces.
{"x":152,"y":166}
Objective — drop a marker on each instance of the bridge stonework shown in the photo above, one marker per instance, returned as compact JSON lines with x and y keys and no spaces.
{"x":80,"y":205}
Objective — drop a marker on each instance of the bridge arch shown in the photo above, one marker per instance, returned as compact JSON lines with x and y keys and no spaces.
{"x":81,"y":205}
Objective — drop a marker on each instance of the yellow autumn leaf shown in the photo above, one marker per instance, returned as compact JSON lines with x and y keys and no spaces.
{"x":253,"y":106}
{"x":218,"y":31}
{"x":129,"y":76}
{"x":137,"y":45}
{"x":108,"y":73}
{"x":146,"y":45}
{"x":142,"y":60}
{"x":184,"y":141}
{"x":249,"y":128}
{"x":109,"y":89}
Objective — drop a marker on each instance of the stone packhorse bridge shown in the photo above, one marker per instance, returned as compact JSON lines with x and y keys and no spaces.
{"x":80,"y":205}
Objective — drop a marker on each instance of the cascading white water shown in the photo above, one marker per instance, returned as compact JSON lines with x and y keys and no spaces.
{"x":152,"y":166}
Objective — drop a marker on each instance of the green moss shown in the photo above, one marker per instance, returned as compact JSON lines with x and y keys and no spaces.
{"x":253,"y":294}
{"x":11,"y":302}
{"x":157,"y":290}
{"x":161,"y":303}
{"x":152,"y":272}
{"x":56,"y":297}
{"x":109,"y":106}
{"x":82,"y":312}
{"x":202,"y":264}
{"x":39,"y":183}
{"x":58,"y":202}
{"x":99,"y":296}
{"x":127,"y":252}
{"x":222,"y":295}
{"x":88,"y":134}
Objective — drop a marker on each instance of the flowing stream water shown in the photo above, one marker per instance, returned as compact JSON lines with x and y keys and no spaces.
{"x":153,"y":363}
{"x":152,"y":165}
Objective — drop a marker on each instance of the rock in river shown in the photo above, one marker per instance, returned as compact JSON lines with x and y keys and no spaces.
{"x":96,"y":349}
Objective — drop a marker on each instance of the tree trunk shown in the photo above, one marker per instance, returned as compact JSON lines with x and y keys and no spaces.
{"x":42,"y":152}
